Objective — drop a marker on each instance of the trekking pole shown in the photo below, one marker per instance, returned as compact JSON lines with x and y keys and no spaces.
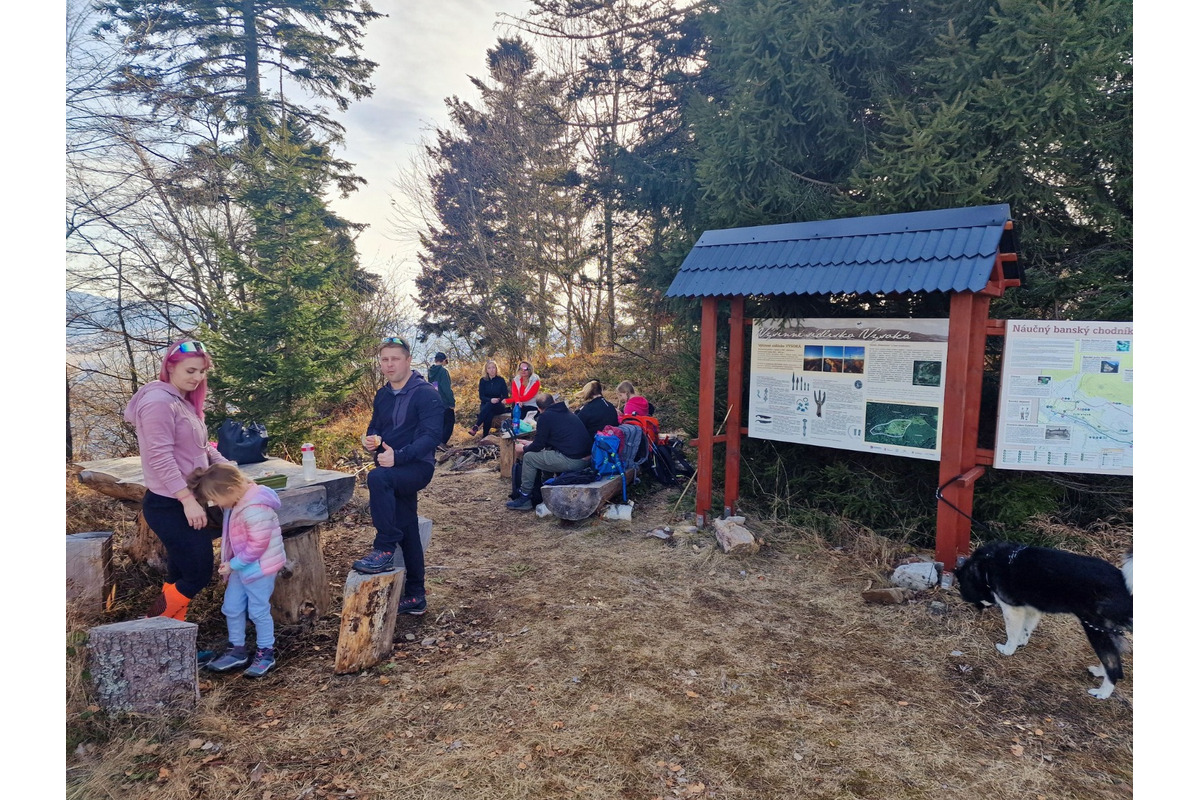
{"x":683,"y":494}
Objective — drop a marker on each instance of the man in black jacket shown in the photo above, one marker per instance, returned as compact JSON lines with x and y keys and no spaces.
{"x":405,"y":428}
{"x":561,"y":444}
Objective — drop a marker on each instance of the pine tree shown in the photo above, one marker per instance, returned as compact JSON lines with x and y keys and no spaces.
{"x":488,"y":265}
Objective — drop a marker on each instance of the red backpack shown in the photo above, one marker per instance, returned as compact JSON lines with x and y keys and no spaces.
{"x":648,"y":424}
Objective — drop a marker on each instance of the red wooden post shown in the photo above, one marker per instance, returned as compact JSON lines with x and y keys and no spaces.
{"x":733,"y":425}
{"x":708,"y":387}
{"x":960,"y":424}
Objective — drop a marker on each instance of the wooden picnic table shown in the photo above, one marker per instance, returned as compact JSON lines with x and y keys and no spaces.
{"x":303,"y":503}
{"x":302,"y":589}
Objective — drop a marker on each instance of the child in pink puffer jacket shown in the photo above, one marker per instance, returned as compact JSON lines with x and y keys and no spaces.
{"x":251,"y":555}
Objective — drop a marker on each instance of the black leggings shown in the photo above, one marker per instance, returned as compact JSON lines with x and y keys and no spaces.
{"x":189,"y":551}
{"x":489,"y":411}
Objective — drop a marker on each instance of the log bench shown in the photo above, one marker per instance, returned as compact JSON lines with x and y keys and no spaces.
{"x":578,"y":501}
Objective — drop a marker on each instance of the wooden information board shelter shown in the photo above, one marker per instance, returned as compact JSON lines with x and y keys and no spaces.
{"x":966,"y":252}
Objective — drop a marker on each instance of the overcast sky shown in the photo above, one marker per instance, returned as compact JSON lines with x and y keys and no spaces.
{"x":425,"y":52}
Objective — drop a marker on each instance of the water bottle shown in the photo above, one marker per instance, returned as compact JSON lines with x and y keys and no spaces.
{"x":516,"y":416}
{"x":308,"y":461}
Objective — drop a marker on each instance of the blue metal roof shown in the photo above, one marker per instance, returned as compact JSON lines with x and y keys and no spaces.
{"x":923,"y":251}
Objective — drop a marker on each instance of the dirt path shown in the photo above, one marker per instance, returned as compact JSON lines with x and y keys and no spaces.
{"x":589,"y":661}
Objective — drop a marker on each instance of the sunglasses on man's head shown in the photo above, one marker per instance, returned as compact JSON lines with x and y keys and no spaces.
{"x":188,"y":347}
{"x":395,"y":340}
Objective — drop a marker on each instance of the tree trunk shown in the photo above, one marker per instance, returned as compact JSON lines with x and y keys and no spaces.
{"x":369,"y":609}
{"x":301,"y":593}
{"x":144,"y":665}
{"x":89,"y":570}
{"x":144,"y":547}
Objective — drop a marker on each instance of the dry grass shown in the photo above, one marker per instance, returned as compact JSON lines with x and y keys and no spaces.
{"x":586,"y":660}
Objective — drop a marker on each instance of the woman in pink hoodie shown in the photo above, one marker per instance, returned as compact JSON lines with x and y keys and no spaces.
{"x":168,"y":415}
{"x":251,"y":555}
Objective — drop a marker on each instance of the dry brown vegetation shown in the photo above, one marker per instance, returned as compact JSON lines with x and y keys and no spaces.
{"x":589,"y":661}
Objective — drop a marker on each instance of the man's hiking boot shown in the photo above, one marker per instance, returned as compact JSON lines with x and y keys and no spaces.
{"x":414,"y":605}
{"x":231,"y":659}
{"x":264,"y":662}
{"x":522,"y":503}
{"x":375,"y":562}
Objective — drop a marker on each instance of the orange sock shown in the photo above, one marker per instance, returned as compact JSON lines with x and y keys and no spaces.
{"x":176,"y":602}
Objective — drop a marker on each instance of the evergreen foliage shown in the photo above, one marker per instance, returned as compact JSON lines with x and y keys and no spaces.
{"x":507,"y":237}
{"x":286,"y":349}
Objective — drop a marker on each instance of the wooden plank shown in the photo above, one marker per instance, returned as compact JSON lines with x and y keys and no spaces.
{"x":708,"y":381}
{"x":581,"y":500}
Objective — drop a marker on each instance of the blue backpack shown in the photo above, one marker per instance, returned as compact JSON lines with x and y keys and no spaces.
{"x":606,"y":458}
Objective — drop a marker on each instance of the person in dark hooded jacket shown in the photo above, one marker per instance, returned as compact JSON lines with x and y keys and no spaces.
{"x":405,"y":429}
{"x":561,"y":444}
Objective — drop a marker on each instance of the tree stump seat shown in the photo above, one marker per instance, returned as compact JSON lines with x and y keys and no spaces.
{"x":369,"y":612}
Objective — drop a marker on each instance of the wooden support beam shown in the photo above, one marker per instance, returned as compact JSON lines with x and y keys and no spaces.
{"x":733,"y":437}
{"x":708,"y":383}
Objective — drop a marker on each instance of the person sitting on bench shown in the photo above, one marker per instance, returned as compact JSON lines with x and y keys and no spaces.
{"x":493,"y":391}
{"x":596,"y":411}
{"x":561,"y":444}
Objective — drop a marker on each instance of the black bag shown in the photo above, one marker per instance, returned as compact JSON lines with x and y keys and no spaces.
{"x":245,"y":444}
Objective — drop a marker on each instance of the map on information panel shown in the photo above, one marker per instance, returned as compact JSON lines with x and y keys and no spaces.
{"x":1066,"y":397}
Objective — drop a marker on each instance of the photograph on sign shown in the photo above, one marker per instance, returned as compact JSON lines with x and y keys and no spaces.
{"x":1066,"y":397}
{"x":871,"y":385}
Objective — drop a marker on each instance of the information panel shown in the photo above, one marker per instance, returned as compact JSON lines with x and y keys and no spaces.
{"x":1066,"y":397}
{"x":872,"y":385}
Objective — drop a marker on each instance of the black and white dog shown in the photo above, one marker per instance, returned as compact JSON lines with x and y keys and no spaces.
{"x":1027,"y":581}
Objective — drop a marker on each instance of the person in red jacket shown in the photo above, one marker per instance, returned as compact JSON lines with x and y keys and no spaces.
{"x":525,"y":387}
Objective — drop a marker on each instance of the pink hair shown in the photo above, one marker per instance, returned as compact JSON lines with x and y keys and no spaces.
{"x":174,"y":356}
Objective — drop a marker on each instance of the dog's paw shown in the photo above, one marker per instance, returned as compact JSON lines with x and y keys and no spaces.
{"x":1007,"y":649}
{"x":1103,"y":692}
{"x":1097,"y":670}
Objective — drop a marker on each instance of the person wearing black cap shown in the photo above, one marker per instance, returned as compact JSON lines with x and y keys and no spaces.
{"x":439,"y":376}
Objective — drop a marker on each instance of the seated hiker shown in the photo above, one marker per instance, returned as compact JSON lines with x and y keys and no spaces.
{"x":525,"y":387}
{"x":493,"y":391}
{"x":561,"y":444}
{"x":596,"y":411}
{"x":625,"y":393}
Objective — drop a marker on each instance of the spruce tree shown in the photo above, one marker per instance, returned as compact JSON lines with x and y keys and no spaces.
{"x":286,"y":351}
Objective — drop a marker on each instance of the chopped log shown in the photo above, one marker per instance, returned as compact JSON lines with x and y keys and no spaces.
{"x":369,"y":612}
{"x":734,"y":538}
{"x":425,"y":529}
{"x":369,"y":608}
{"x":301,"y":593}
{"x":89,"y":570}
{"x":581,"y":500}
{"x":144,"y":547}
{"x":144,"y":665}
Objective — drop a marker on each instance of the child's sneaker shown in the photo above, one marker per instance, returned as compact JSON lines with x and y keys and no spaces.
{"x":412,"y":605}
{"x":231,"y":659}
{"x":264,"y":662}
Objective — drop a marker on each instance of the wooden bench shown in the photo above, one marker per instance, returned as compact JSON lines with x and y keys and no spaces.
{"x":578,"y":501}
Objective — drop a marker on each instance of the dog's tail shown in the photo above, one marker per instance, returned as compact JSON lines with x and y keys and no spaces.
{"x":1127,"y":571}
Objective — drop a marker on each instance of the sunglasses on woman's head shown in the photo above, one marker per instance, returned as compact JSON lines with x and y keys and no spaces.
{"x":188,"y":347}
